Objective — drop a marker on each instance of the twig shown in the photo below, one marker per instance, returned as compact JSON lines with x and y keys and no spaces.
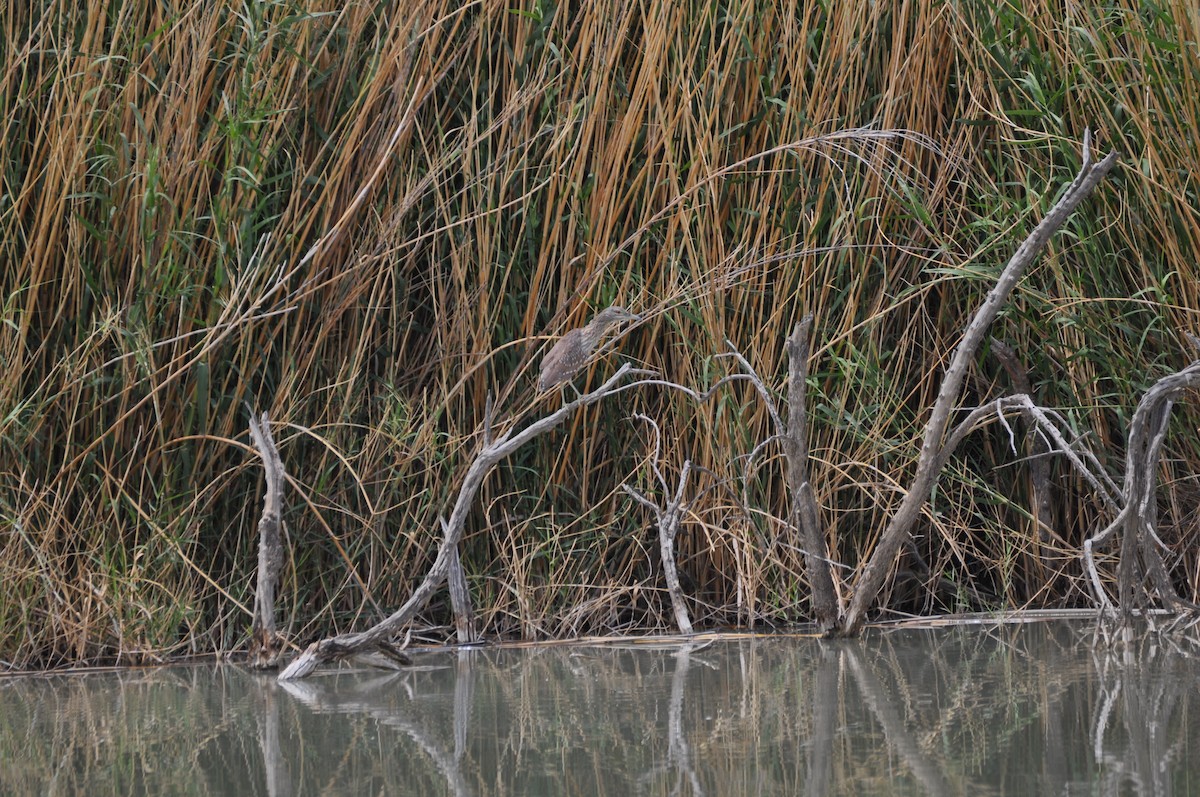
{"x":752,"y":375}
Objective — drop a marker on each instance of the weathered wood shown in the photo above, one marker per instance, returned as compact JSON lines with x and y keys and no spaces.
{"x":1137,"y":518}
{"x":668,"y":527}
{"x":899,"y":528}
{"x":490,"y":455}
{"x":265,"y":643}
{"x":460,"y":598}
{"x":805,"y":512}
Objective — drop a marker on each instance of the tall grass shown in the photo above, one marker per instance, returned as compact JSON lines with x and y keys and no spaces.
{"x":183,"y":230}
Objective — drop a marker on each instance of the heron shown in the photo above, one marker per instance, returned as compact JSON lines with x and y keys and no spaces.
{"x":574,"y":349}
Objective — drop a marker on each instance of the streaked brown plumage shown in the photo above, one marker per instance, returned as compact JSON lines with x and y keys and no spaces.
{"x":574,"y":349}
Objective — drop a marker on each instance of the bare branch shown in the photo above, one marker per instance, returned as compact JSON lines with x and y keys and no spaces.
{"x":668,"y":526}
{"x":752,"y":375}
{"x":338,"y":647}
{"x":460,"y":595}
{"x":805,"y":513}
{"x":1137,"y":516}
{"x":265,"y":643}
{"x":899,"y":529}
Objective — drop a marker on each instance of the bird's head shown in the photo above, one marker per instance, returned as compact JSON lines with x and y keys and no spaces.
{"x":614,"y":315}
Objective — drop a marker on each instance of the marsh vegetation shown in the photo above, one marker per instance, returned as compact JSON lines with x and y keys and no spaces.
{"x":367,"y":218}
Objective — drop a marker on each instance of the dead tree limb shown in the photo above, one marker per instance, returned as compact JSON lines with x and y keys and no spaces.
{"x":489,"y":456}
{"x":1134,"y":505}
{"x":668,"y":526}
{"x":899,"y":528}
{"x":460,"y":596}
{"x":265,"y":643}
{"x":805,"y":516}
{"x":1048,"y":422}
{"x":1137,"y":518}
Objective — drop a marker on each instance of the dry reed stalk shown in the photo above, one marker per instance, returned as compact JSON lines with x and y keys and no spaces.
{"x":146,"y":157}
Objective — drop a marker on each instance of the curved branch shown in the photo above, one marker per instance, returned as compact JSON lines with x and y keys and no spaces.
{"x":489,"y":456}
{"x":899,"y":529}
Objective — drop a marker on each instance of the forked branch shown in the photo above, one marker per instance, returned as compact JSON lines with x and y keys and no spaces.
{"x":1136,"y":519}
{"x":668,"y":526}
{"x":489,"y":456}
{"x":899,"y":528}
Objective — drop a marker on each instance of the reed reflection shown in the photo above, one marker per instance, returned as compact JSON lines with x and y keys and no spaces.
{"x":951,"y":711}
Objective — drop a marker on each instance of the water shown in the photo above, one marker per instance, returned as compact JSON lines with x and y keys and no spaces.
{"x":981,"y":711}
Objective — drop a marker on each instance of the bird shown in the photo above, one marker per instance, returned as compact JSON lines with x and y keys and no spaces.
{"x":574,"y":349}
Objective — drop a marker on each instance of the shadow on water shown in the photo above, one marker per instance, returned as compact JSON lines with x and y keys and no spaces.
{"x":980,"y":711}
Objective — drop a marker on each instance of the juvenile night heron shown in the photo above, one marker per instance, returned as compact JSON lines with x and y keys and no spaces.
{"x":574,"y":349}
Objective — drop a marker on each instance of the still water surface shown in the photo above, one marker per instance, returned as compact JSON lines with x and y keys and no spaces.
{"x":980,"y":711}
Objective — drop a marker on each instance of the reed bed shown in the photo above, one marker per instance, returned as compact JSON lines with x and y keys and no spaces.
{"x":366,"y":218}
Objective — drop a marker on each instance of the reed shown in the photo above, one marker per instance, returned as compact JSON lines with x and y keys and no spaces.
{"x":183,"y":229}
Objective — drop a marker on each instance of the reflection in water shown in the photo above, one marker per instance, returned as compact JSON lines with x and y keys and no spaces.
{"x":981,"y":711}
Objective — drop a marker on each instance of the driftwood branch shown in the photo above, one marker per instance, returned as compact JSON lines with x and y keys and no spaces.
{"x":1136,"y":520}
{"x":899,"y":528}
{"x":460,"y":596}
{"x":1134,"y":505}
{"x":805,"y":516}
{"x":265,"y":643}
{"x":490,"y":455}
{"x":668,"y":527}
